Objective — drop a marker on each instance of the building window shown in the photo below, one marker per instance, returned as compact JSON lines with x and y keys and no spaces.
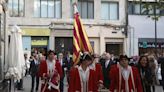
{"x":86,"y":9}
{"x":47,"y":8}
{"x":162,"y":12}
{"x":110,"y":10}
{"x":16,"y":8}
{"x":136,"y":8}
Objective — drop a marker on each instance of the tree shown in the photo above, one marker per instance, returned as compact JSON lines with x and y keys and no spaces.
{"x":152,"y":8}
{"x":154,"y":11}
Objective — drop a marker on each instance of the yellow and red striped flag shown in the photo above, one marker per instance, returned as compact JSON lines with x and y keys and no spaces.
{"x":81,"y":42}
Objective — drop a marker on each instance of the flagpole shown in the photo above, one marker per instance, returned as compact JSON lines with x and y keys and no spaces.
{"x":74,"y":1}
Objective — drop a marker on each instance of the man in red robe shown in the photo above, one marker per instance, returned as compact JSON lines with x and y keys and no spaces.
{"x":50,"y":72}
{"x":82,"y":78}
{"x":96,"y":66}
{"x":124,"y":78}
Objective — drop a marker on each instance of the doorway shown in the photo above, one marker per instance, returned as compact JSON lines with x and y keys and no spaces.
{"x":63,"y":44}
{"x":115,"y":49}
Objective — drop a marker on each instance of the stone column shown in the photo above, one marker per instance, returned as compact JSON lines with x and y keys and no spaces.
{"x":102,"y":42}
{"x":51,"y":42}
{"x":66,"y":9}
{"x":29,"y":8}
{"x":97,"y":9}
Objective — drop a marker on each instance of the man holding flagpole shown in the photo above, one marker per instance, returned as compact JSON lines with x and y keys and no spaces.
{"x":81,"y":42}
{"x":82,"y":78}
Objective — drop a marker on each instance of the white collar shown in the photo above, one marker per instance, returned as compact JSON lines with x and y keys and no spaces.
{"x":81,"y":69}
{"x":126,"y":72}
{"x":92,"y":66}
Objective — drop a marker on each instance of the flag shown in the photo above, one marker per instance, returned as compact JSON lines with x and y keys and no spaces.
{"x":81,"y":42}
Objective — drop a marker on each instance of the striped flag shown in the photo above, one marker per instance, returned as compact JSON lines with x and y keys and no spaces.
{"x":81,"y":42}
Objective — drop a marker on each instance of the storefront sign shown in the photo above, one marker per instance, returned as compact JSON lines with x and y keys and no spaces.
{"x":36,"y":32}
{"x":39,"y":42}
{"x":150,"y":45}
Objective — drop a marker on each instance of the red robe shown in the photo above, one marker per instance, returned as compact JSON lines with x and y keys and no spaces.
{"x":75,"y":81}
{"x":118,"y":81}
{"x":98,"y":71}
{"x":44,"y":72}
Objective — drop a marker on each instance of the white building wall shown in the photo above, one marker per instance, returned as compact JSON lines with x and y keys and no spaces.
{"x":144,"y":28}
{"x":97,"y":29}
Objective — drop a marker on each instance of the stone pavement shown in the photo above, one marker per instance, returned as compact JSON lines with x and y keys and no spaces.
{"x":27,"y":86}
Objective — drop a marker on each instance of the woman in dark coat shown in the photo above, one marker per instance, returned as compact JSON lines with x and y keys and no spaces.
{"x":145,"y":73}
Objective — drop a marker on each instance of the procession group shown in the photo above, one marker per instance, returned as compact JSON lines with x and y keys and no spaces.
{"x":92,"y":73}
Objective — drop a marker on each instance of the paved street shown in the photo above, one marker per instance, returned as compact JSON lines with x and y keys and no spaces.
{"x":27,"y":86}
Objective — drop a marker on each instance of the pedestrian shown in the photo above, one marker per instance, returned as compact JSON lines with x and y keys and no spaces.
{"x":68,"y":64}
{"x":68,"y":61}
{"x":27,"y":64}
{"x":145,"y":73}
{"x":153,"y":69}
{"x":161,"y":61}
{"x":96,"y":66}
{"x":34,"y":69}
{"x":82,"y":78}
{"x":50,"y":72}
{"x":124,"y":78}
{"x":102,"y":58}
{"x":63,"y":65}
{"x":106,"y":68}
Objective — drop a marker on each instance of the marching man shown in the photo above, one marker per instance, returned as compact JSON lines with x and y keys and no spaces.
{"x":50,"y":72}
{"x":124,"y":78}
{"x":96,"y":66}
{"x":82,"y":78}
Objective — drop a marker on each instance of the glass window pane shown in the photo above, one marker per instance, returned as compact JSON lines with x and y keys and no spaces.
{"x":51,"y":9}
{"x":10,"y":7}
{"x":130,"y":9}
{"x":158,"y":11}
{"x":137,"y":9}
{"x":37,"y":8}
{"x":143,"y":9}
{"x":79,"y":7}
{"x":113,"y":11}
{"x":105,"y":11}
{"x":162,"y":12}
{"x":58,"y":9}
{"x":21,"y":7}
{"x":44,"y":8}
{"x":15,"y":8}
{"x":150,"y":9}
{"x":90,"y":10}
{"x":72,"y":11}
{"x":84,"y":10}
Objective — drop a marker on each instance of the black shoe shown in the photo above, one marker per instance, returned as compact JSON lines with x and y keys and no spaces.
{"x":20,"y":88}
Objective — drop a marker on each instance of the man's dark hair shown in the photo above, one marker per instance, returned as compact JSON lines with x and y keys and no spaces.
{"x":51,"y":51}
{"x":123,"y":56}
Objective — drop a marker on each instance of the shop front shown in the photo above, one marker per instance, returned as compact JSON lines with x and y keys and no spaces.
{"x":147,"y":45}
{"x":36,"y":40}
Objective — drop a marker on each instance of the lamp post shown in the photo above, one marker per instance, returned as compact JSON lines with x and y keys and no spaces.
{"x":1,"y":11}
{"x":155,"y":23}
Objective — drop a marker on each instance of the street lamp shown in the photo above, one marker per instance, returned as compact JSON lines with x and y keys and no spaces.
{"x":155,"y":23}
{"x":1,"y":72}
